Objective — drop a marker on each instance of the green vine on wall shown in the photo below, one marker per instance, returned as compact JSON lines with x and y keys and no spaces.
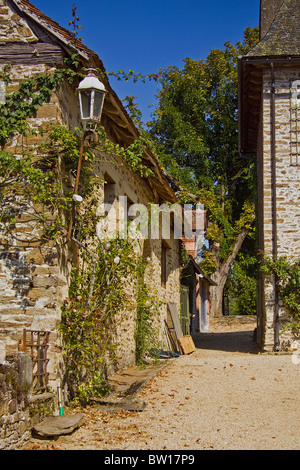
{"x":32,"y":92}
{"x":288,"y":281}
{"x":40,"y":167}
{"x":147,"y":315}
{"x":90,"y":333}
{"x":33,"y":184}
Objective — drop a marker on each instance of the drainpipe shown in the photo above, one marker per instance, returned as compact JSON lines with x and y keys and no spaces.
{"x":274,"y":207}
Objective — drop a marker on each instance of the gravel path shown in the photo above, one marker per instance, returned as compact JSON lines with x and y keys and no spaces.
{"x":223,"y":396}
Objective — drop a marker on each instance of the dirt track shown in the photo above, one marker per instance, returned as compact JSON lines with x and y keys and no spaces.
{"x":223,"y":396}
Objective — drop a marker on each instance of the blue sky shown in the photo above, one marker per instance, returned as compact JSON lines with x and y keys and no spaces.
{"x":146,"y":35}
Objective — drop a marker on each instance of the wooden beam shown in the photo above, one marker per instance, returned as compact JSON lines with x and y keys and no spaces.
{"x":114,"y":117}
{"x":110,"y":108}
{"x":125,"y":136}
{"x":31,"y":54}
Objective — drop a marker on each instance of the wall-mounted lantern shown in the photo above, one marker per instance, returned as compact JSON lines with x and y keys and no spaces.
{"x":91,"y":93}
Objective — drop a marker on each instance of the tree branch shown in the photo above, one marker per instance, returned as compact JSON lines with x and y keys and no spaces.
{"x":236,"y":247}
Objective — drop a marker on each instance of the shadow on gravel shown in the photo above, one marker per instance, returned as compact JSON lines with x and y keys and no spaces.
{"x":237,"y":341}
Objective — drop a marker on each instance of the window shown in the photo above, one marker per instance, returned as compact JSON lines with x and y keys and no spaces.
{"x":129,"y":204}
{"x":109,"y":190}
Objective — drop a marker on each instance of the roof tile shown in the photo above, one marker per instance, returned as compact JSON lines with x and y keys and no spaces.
{"x":54,"y":25}
{"x":283,"y":37}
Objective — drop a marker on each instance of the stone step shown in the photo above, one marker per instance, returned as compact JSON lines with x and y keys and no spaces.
{"x":55,"y":426}
{"x":114,"y":403}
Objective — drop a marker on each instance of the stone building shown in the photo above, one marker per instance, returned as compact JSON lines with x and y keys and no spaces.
{"x":269,"y":81}
{"x":34,"y":276}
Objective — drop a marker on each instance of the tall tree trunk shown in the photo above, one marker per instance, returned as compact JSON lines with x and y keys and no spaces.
{"x":216,"y":293}
{"x":221,"y":274}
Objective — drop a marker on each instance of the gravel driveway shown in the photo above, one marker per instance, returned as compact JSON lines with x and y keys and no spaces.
{"x":223,"y":396}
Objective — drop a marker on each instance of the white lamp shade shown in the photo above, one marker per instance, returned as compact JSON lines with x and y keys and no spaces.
{"x":91,"y":98}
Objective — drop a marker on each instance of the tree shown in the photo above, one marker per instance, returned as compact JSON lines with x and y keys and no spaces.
{"x":241,"y":285}
{"x":195,"y":129}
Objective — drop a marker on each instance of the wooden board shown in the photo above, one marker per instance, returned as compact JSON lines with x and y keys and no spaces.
{"x":187,"y":344}
{"x":30,"y":54}
{"x":176,"y":331}
{"x":175,"y":319}
{"x":173,"y":341}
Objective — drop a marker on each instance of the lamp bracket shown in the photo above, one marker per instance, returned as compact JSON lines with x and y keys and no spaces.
{"x":90,"y":137}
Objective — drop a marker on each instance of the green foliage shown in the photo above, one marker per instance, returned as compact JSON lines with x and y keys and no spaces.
{"x":195,"y":129}
{"x":30,"y":188}
{"x":288,"y":281}
{"x":147,"y":313}
{"x":132,"y":75}
{"x":208,"y":262}
{"x":241,"y":284}
{"x":23,"y":104}
{"x":98,"y":301}
{"x":133,"y":157}
{"x":33,"y":184}
{"x":134,"y":112}
{"x":195,"y":124}
{"x":74,"y":23}
{"x":222,"y":230}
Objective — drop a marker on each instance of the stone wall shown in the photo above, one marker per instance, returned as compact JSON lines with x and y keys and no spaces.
{"x":129,"y":184}
{"x":34,"y":276}
{"x":287,"y":190}
{"x":19,"y":411}
{"x":12,"y":27}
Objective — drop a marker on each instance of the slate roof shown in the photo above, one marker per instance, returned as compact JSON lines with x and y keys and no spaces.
{"x":283,"y":37}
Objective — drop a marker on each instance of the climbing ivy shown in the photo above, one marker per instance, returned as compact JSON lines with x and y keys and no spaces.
{"x":34,"y":184}
{"x":287,"y":273}
{"x":40,"y":166}
{"x":147,"y":315}
{"x":32,"y":92}
{"x":99,"y":302}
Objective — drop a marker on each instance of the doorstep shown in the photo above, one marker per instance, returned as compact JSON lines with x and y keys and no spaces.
{"x":125,"y":385}
{"x":55,"y":426}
